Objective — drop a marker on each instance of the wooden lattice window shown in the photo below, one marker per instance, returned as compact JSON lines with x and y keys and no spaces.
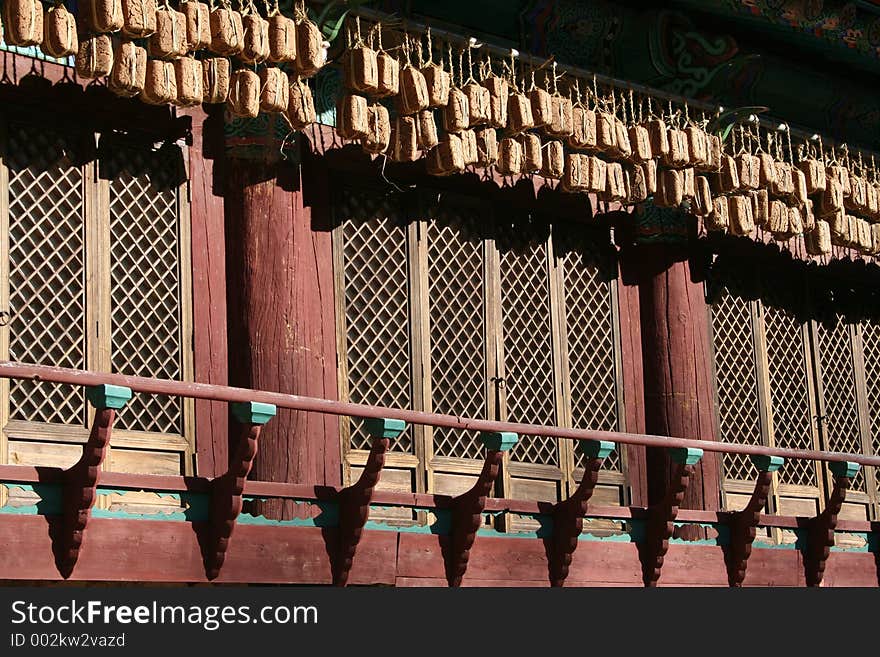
{"x":94,"y":273}
{"x":795,"y":383}
{"x":871,"y":350}
{"x":443,"y":306}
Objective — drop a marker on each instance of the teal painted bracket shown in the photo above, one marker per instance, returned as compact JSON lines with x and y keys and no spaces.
{"x":767,"y":463}
{"x":253,"y":412}
{"x":597,"y":449}
{"x":106,"y":396}
{"x":844,"y":469}
{"x":379,"y":427}
{"x":500,"y":441}
{"x":685,"y":455}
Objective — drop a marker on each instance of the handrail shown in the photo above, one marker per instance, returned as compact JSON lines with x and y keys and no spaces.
{"x":16,"y":370}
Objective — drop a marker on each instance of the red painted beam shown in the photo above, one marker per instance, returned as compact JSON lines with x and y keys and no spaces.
{"x":14,"y":370}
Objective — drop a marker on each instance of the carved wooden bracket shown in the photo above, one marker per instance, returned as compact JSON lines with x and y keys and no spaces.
{"x":354,"y":501}
{"x":81,"y":479}
{"x":743,"y":524}
{"x":467,"y":508}
{"x":820,"y":530}
{"x":660,"y":522}
{"x":568,"y":515}
{"x":226,"y":490}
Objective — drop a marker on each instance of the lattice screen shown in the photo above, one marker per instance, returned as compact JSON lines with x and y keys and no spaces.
{"x":789,"y":394}
{"x":871,"y":347}
{"x":376,"y":307}
{"x":458,"y":359}
{"x":591,"y":358}
{"x":842,"y":432}
{"x":47,"y":273}
{"x":145,"y":297}
{"x":528,"y":349}
{"x":736,"y":380}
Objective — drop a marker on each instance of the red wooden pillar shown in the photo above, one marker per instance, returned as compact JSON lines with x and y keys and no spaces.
{"x":281,"y":318}
{"x":676,"y":356}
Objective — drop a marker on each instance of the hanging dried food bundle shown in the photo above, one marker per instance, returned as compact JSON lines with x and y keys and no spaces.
{"x":779,"y":220}
{"x":871,"y":200}
{"x":405,"y":141}
{"x":659,"y":135}
{"x":378,"y":137}
{"x":282,"y":39}
{"x":728,"y":177}
{"x":274,"y":90}
{"x":215,"y":80}
{"x":679,"y":151}
{"x":456,"y":116}
{"x":670,"y":189}
{"x":160,"y":86}
{"x":129,"y":73}
{"x":621,"y":141}
{"x":169,"y":39}
{"x":562,"y":122}
{"x":606,"y":133}
{"x":784,"y":185}
{"x":102,"y":16}
{"x":576,"y":174}
{"x":818,"y":240}
{"x":841,"y":175}
{"x":831,"y":200}
{"x":446,"y":158}
{"x":413,"y":90}
{"x":808,"y":216}
{"x":519,"y":113}
{"x":795,"y":220}
{"x":301,"y":108}
{"x":749,"y":172}
{"x":95,"y":57}
{"x":189,"y":80}
{"x":469,"y":147}
{"x":352,"y":121}
{"x":650,"y":171}
{"x":742,"y":220}
{"x":688,"y":181}
{"x":510,"y":157}
{"x":713,"y":153}
{"x":615,"y":184}
{"x":761,"y":207}
{"x":532,"y":156}
{"x":438,"y":84}
{"x":478,"y":104}
{"x":487,"y":147}
{"x":702,"y":203}
{"x":427,"y":130}
{"x":499,"y":92}
{"x":255,"y":42}
{"x":640,"y":141}
{"x":138,"y":18}
{"x":698,"y":146}
{"x":858,"y":194}
{"x":553,"y":166}
{"x":198,"y":24}
{"x":389,"y":75}
{"x":59,"y":33}
{"x":814,"y":172}
{"x":244,"y":94}
{"x":636,"y":185}
{"x":800,"y":185}
{"x":311,"y":54}
{"x":597,"y":173}
{"x":719,"y":218}
{"x":22,"y":22}
{"x":227,"y":31}
{"x":361,"y":69}
{"x":542,"y":110}
{"x":766,"y":170}
{"x":583,"y":129}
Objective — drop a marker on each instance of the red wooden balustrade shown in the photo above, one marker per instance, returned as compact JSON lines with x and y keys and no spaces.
{"x":253,"y":408}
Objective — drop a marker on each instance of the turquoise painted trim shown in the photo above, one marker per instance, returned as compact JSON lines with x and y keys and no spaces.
{"x":379,"y":427}
{"x":125,"y":491}
{"x":329,"y":516}
{"x":49,"y":503}
{"x":500,"y":441}
{"x":597,"y":449}
{"x":172,"y":516}
{"x":106,"y":396}
{"x":844,"y":469}
{"x":253,"y":412}
{"x":767,"y":463}
{"x":866,"y":548}
{"x":686,"y":455}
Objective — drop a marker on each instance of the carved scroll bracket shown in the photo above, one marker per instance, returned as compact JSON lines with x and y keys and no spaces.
{"x":568,"y":515}
{"x":661,"y":517}
{"x":354,"y":501}
{"x":81,"y":479}
{"x":467,"y":508}
{"x":820,"y":530}
{"x":743,"y":524}
{"x":226,"y":490}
